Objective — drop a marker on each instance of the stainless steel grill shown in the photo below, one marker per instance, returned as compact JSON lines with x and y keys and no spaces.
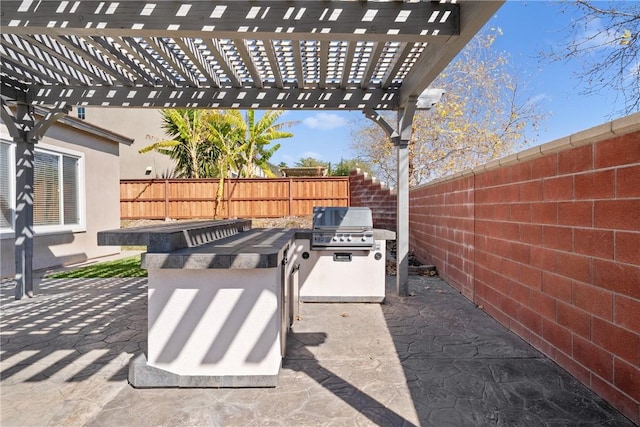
{"x":342,"y":228}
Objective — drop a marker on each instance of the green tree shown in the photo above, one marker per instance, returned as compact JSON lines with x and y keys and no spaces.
{"x":345,"y":166}
{"x":482,"y":116}
{"x":310,"y":162}
{"x":258,"y":136}
{"x":188,"y":146}
{"x":226,"y":133}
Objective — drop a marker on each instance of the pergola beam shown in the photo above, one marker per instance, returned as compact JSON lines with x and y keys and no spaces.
{"x":348,"y":63}
{"x":243,"y":51}
{"x":332,"y":97}
{"x":161,"y":19}
{"x":273,"y":62}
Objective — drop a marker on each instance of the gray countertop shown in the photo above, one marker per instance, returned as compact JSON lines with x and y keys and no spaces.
{"x":255,"y":248}
{"x":172,"y":236}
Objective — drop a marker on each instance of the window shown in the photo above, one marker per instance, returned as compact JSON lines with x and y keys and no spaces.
{"x":82,"y":113}
{"x":56,"y":190}
{"x":7,"y":198}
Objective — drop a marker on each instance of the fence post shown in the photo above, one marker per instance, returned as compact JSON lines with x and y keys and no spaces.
{"x":166,"y":200}
{"x":290,"y":196}
{"x":227,"y":191}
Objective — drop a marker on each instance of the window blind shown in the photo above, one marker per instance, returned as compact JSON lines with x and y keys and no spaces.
{"x":46,"y":189}
{"x":70,"y":190}
{"x":6,"y":213}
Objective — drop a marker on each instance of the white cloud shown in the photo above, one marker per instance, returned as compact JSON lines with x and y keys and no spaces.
{"x":539,"y":99}
{"x":313,"y":154}
{"x":325,"y":121}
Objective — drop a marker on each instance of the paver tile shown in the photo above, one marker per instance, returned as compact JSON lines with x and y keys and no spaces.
{"x":431,"y":359}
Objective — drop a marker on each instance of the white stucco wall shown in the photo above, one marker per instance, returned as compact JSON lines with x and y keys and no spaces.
{"x":102,"y":203}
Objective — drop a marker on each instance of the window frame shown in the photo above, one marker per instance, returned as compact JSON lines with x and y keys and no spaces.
{"x":40,"y":230}
{"x":12,"y":188}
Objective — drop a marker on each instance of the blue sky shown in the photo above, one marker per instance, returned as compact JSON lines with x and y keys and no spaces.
{"x":528,"y":27}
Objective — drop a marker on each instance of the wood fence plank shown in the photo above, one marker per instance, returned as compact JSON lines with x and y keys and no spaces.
{"x":242,"y":198}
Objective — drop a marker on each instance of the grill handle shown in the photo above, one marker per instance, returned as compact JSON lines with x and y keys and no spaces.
{"x":342,"y":256}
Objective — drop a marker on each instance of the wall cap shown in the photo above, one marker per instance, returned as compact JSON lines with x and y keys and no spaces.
{"x":617,"y":127}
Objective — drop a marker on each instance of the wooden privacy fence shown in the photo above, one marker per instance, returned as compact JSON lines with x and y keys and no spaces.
{"x":242,"y":198}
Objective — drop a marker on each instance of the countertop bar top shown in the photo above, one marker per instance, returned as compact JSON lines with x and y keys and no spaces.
{"x":255,"y":248}
{"x":172,"y":236}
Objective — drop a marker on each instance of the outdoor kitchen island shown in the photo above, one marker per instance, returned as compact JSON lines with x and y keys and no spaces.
{"x":219,"y":311}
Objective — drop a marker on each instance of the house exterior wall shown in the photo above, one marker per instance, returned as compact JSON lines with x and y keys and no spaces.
{"x":547,"y":241}
{"x":102,"y":198}
{"x":144,"y":126}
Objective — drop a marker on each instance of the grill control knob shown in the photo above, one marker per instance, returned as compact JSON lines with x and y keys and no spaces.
{"x":335,"y":239}
{"x":364,"y":239}
{"x":349,"y":239}
{"x":342,"y":239}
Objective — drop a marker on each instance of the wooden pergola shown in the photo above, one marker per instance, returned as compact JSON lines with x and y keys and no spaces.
{"x":333,"y":55}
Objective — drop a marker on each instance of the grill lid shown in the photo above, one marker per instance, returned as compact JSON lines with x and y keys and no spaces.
{"x":336,"y":218}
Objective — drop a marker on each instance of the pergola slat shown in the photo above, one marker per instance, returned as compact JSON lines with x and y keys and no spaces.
{"x":243,"y":50}
{"x":53,"y":48}
{"x":348,"y":62}
{"x":81,"y":49}
{"x":113,"y":54}
{"x":223,"y":60}
{"x":162,"y":49}
{"x":297,"y":57}
{"x":25,"y":54}
{"x":398,"y":61}
{"x":150,"y":60}
{"x":371,"y":64}
{"x":189,"y":48}
{"x":273,"y":61}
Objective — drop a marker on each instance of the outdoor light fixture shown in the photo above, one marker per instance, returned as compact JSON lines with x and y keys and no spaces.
{"x":148,"y":170}
{"x":428,"y":98}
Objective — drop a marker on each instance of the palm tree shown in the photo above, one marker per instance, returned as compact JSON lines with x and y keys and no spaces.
{"x":226,"y":132}
{"x":257,"y":138}
{"x":189,"y":130}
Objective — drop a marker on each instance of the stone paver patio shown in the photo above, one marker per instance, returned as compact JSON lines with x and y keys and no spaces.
{"x":429,"y":359}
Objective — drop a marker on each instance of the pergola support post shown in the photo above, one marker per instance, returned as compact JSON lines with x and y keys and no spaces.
{"x":24,"y":218}
{"x":405,"y":126}
{"x":400,"y":136}
{"x":26,"y":132}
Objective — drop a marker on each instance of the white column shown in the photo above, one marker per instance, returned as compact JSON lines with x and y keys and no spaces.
{"x":402,"y":220}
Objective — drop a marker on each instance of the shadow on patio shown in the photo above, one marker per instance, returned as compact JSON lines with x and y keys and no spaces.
{"x":429,"y":359}
{"x":464,"y":368}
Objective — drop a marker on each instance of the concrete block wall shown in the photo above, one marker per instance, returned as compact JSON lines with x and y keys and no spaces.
{"x":441,"y":230}
{"x":547,"y":241}
{"x":369,"y":192}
